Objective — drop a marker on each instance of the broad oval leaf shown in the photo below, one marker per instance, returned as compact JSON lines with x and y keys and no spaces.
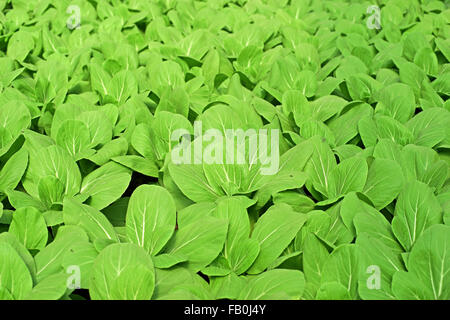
{"x":151,"y":218}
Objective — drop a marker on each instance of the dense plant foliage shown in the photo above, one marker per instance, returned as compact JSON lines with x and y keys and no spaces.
{"x":93,"y":204}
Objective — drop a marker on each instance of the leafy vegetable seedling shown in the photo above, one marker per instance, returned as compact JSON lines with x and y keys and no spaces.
{"x":226,"y":149}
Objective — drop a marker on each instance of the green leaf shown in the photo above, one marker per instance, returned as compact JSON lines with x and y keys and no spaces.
{"x":140,"y":141}
{"x":90,"y":219}
{"x":427,"y":60}
{"x":161,"y":130}
{"x":284,"y":181}
{"x":350,"y":175}
{"x":193,"y":183}
{"x":227,"y":287}
{"x":105,"y":185}
{"x":342,"y":266}
{"x":315,"y":255}
{"x":138,"y":164}
{"x":298,"y":202}
{"x":444,"y":47}
{"x":151,"y":218}
{"x":78,"y":262}
{"x":51,"y":191}
{"x":114,"y":148}
{"x":379,"y":263}
{"x":200,"y":243}
{"x":274,"y":230}
{"x":180,"y":283}
{"x":29,"y":226}
{"x":329,"y":227}
{"x":100,"y":79}
{"x":345,"y":127}
{"x":122,"y":271}
{"x":99,"y":126}
{"x":20,"y":45}
{"x":320,"y":166}
{"x":52,"y":161}
{"x":16,"y":278}
{"x":49,"y":260}
{"x":384,"y":182}
{"x":429,"y":127}
{"x":165,"y":261}
{"x":174,"y":100}
{"x":239,"y":250}
{"x":24,"y":254}
{"x":51,"y":288}
{"x":278,"y":284}
{"x":428,"y":268}
{"x":112,"y":145}
{"x":397,"y":101}
{"x":333,"y":291}
{"x":417,"y":209}
{"x":73,"y":136}
{"x":14,"y":117}
{"x":122,"y":86}
{"x":13,"y":170}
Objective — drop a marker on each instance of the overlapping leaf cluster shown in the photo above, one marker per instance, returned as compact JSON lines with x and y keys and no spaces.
{"x":360,"y":208}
